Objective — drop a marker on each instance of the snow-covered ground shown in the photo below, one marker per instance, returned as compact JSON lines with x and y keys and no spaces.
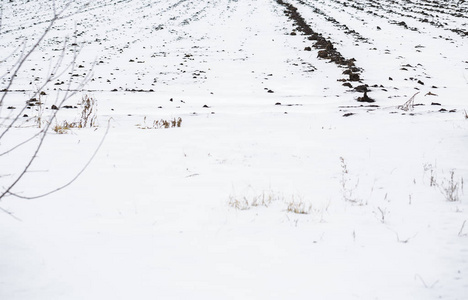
{"x":278,"y":184}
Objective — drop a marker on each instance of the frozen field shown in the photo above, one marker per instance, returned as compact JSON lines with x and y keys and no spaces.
{"x":297,"y":166}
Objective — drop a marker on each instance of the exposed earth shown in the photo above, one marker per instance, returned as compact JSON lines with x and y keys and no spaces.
{"x":249,"y":149}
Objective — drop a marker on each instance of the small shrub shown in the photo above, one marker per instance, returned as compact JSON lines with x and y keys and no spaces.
{"x":450,"y":188}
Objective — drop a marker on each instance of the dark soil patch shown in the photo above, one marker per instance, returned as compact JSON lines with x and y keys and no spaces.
{"x":327,"y":49}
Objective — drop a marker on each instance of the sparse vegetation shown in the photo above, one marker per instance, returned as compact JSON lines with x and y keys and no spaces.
{"x":88,"y":116}
{"x":383,"y":213}
{"x":304,"y":181}
{"x":88,"y":112}
{"x":432,"y":176}
{"x":15,"y":66}
{"x":451,"y":187}
{"x":158,"y":124}
{"x":240,"y":203}
{"x":347,"y":188}
{"x":298,"y":206}
{"x":39,"y":112}
{"x":246,"y":202}
{"x":264,"y":199}
{"x":293,"y":204}
{"x":64,"y":127}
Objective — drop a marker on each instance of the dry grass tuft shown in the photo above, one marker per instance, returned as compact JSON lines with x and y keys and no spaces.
{"x":88,"y":112}
{"x":65,"y":126}
{"x":299,"y":206}
{"x":408,"y":105}
{"x":246,"y":202}
{"x":450,"y":188}
{"x":158,"y":124}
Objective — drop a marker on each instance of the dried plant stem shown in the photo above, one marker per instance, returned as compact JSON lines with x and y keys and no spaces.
{"x":409,"y":105}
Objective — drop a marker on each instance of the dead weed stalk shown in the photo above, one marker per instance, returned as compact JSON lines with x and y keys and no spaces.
{"x":408,"y":105}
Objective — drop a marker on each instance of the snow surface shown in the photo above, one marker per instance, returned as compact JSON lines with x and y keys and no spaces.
{"x":201,"y":211}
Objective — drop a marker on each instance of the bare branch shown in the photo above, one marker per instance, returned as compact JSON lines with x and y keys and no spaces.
{"x":74,"y":178}
{"x":29,"y":163}
{"x":22,"y":45}
{"x":23,"y":60}
{"x":71,"y":67}
{"x":21,"y":144}
{"x":460,"y":233}
{"x":417,"y":276}
{"x":12,"y":123}
{"x":1,"y":17}
{"x":57,"y":15}
{"x":10,"y":214}
{"x":57,"y":70}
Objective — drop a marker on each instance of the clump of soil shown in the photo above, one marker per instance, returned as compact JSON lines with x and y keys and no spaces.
{"x":326,"y":48}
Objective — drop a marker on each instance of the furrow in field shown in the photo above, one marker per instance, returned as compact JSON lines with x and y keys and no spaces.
{"x":415,"y":16}
{"x":327,"y":48}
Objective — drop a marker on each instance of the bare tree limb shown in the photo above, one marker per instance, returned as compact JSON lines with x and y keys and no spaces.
{"x":75,"y":177}
{"x":10,"y":214}
{"x":23,"y":60}
{"x":54,"y":74}
{"x":57,"y":15}
{"x":21,"y":144}
{"x":57,"y":69}
{"x":22,"y":45}
{"x":1,"y":17}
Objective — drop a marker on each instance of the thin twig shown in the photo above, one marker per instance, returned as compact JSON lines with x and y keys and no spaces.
{"x":424,"y":283}
{"x":12,"y":54}
{"x":398,"y":236}
{"x":1,"y":16}
{"x":74,"y":178}
{"x":460,"y":233}
{"x":24,"y":58}
{"x":10,"y":214}
{"x":409,"y":105}
{"x":55,"y":72}
{"x":21,"y":144}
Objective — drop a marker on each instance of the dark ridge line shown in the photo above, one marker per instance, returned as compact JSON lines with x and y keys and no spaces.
{"x":327,"y":49}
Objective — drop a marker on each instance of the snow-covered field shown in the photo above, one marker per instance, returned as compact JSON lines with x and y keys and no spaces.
{"x":279,"y":183}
